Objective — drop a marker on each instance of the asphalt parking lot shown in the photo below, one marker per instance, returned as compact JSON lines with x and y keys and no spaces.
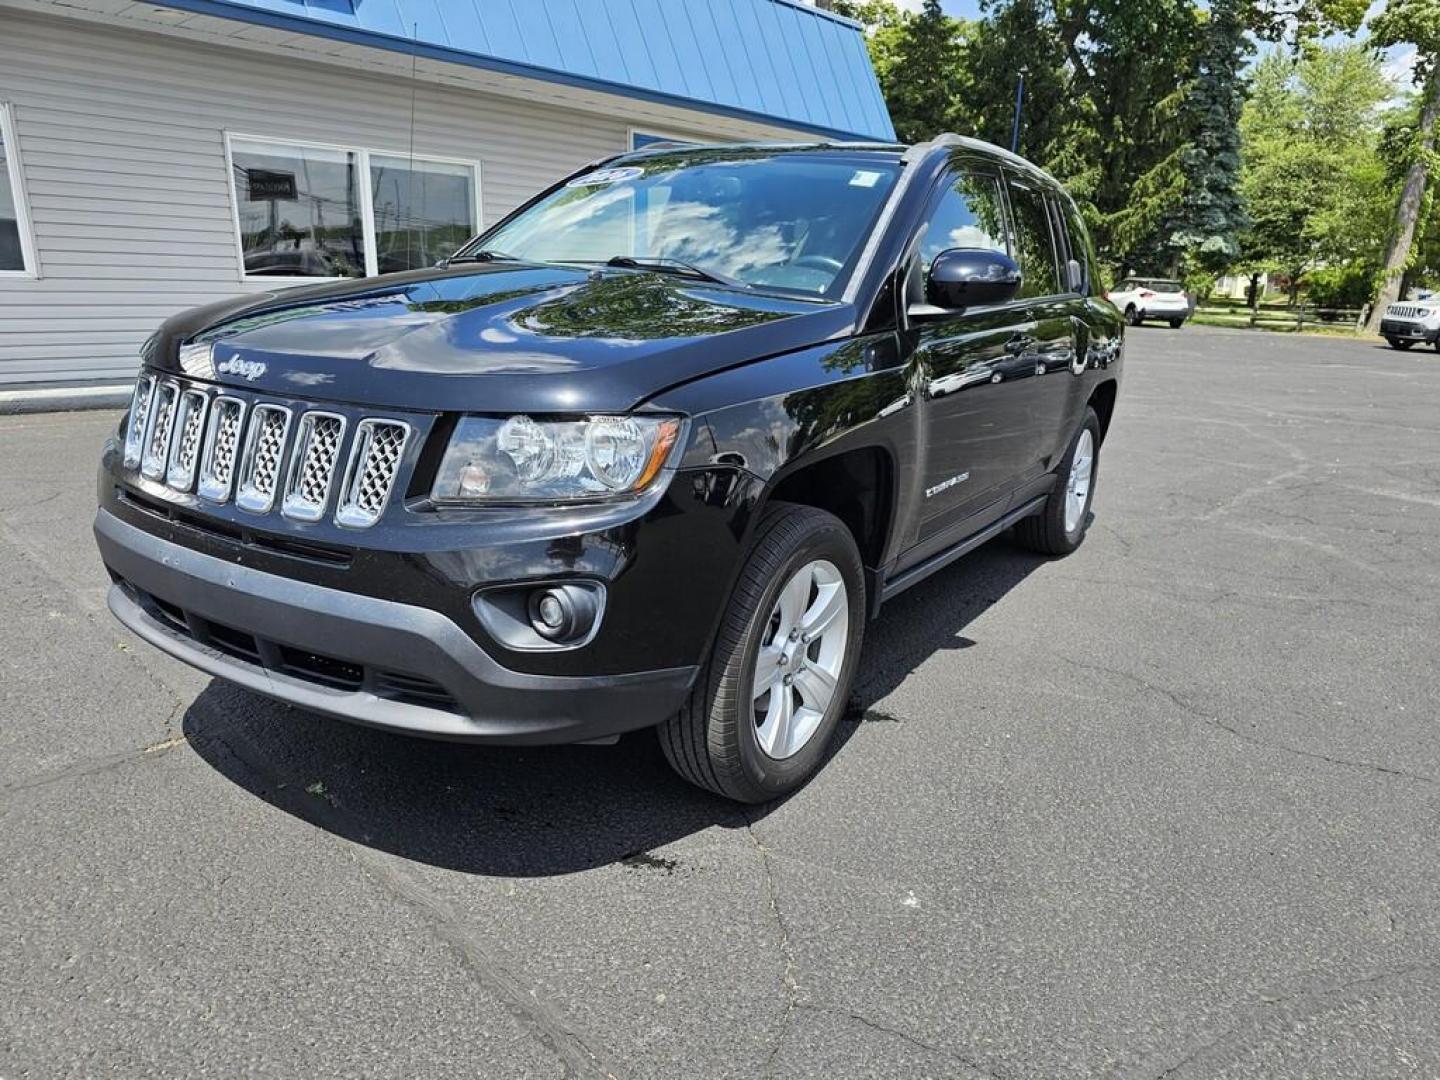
{"x":1166,"y":808}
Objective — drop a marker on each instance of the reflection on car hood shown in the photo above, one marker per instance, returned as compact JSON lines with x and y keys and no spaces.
{"x":498,"y":337}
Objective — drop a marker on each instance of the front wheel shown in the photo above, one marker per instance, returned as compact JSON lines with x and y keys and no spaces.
{"x":1402,"y":344}
{"x":1059,"y":527}
{"x":760,"y":716}
{"x":1132,"y":315}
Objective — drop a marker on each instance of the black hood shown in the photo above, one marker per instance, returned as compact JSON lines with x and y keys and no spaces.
{"x":490,"y":338}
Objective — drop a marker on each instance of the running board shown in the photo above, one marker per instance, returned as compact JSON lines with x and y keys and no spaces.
{"x":940,"y":560}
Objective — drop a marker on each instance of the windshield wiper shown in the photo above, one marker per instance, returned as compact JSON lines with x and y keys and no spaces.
{"x":483,"y":255}
{"x":674,"y":266}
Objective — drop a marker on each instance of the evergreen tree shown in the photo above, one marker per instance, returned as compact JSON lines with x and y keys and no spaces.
{"x":1204,"y":229}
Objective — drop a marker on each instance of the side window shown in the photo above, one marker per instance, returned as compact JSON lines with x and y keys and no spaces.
{"x":967,"y":216}
{"x":1081,"y":250}
{"x":1034,"y":245}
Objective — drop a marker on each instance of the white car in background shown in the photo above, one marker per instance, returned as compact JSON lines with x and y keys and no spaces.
{"x":1409,"y":321}
{"x":1151,"y":298}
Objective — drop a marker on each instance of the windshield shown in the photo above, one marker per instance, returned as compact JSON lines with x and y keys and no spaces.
{"x":793,"y":222}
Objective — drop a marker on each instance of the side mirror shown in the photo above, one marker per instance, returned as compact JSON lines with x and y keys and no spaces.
{"x":970,"y":277}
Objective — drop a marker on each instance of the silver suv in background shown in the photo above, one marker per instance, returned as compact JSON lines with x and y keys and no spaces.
{"x":1151,"y":298}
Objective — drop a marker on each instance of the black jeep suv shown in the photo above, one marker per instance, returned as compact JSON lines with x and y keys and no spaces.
{"x":650,"y":451}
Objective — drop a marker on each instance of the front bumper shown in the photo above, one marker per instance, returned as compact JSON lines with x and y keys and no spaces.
{"x":1406,"y":330}
{"x":363,"y":658}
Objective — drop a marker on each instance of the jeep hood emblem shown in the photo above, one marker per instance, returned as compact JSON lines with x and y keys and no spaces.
{"x":249,"y":370}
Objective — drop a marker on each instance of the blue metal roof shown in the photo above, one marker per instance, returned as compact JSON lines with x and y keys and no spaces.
{"x":775,"y":61}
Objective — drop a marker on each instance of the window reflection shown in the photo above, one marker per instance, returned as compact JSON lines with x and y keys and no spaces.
{"x":424,"y":211}
{"x":790,"y":222}
{"x":299,"y":210}
{"x":967,"y":216}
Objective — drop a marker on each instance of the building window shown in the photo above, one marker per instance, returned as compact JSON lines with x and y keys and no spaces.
{"x":17,"y":254}
{"x":311,"y":211}
{"x":424,"y":210}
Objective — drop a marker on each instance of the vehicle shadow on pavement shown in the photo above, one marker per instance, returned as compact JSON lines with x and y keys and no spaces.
{"x":527,"y":812}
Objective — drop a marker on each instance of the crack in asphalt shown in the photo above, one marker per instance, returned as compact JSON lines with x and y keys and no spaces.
{"x":788,"y":986}
{"x":542,"y":1021}
{"x":1257,"y":1009}
{"x":1254,"y":740}
{"x":903,"y":1036}
{"x":76,"y":770}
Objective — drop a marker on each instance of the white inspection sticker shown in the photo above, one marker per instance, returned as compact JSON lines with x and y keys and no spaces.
{"x":606,"y":176}
{"x":865,"y":178}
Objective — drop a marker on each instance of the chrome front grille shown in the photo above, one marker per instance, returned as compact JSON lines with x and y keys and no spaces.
{"x":312,"y":468}
{"x":1405,"y":311}
{"x":225,"y":446}
{"x":374,"y":461}
{"x":261,"y":460}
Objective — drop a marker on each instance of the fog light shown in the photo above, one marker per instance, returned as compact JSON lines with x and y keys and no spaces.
{"x":563,"y":612}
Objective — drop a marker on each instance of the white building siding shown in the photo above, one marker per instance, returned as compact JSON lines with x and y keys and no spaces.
{"x":121,"y":136}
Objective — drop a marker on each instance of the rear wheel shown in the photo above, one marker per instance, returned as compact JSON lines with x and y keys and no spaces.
{"x":762,"y":712}
{"x":1175,"y":324}
{"x":1132,"y":315}
{"x":1402,"y":344}
{"x":1059,"y":527}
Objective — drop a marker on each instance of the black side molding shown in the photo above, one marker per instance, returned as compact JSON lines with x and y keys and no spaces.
{"x":942,"y":559}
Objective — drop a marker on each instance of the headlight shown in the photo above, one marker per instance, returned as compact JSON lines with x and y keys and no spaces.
{"x":524,"y":460}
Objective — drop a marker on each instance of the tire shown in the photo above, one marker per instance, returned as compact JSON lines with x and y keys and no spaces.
{"x":1175,"y":324}
{"x":716,"y":740}
{"x":1401,"y":343}
{"x":1054,"y":531}
{"x":1132,"y":316}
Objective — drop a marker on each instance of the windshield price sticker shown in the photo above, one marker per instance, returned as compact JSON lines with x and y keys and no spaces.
{"x":864,"y":178}
{"x":606,"y":176}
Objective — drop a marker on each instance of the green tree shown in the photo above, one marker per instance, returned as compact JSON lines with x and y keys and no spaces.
{"x":917,"y":59}
{"x":1415,"y":23}
{"x":1311,"y":177}
{"x":1205,"y":228}
{"x":1016,"y":36}
{"x":1129,"y":65}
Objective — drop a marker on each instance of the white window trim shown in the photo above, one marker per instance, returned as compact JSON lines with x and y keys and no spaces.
{"x":367,"y":209}
{"x":31,"y":268}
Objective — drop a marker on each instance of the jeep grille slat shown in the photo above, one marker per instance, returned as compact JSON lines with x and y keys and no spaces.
{"x":139,"y":418}
{"x":185,"y":453}
{"x":262,"y":458}
{"x":222,"y":441}
{"x":370,"y":473}
{"x":312,"y":467}
{"x":161,"y":427}
{"x":265,"y":455}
